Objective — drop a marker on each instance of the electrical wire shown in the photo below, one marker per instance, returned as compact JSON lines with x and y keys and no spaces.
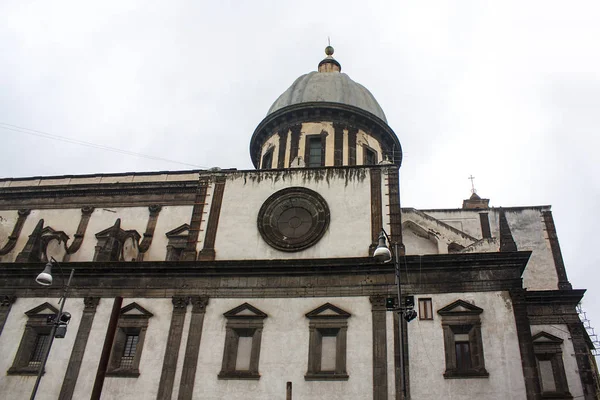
{"x":51,"y":136}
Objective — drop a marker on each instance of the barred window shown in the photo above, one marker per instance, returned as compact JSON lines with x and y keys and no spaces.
{"x":36,"y":336}
{"x":129,"y":340}
{"x":38,"y":350}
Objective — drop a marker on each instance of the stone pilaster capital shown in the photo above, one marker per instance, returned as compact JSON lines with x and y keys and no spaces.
{"x":91,"y":303}
{"x":199,"y":304}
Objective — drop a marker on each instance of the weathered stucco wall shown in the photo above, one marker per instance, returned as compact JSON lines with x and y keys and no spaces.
{"x":284,"y":352}
{"x":347,"y":194}
{"x":528,"y":230}
{"x":500,"y":348}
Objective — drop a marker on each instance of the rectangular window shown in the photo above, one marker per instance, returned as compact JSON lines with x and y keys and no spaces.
{"x":267,"y":160}
{"x":244,"y":352}
{"x":328,"y":351}
{"x":369,"y":156}
{"x":550,"y":366}
{"x":38,"y":350}
{"x":463,"y":351}
{"x":131,"y":342}
{"x":242,"y":342}
{"x":547,"y":376}
{"x":425,"y":309}
{"x":315,"y":153}
{"x":327,"y":343}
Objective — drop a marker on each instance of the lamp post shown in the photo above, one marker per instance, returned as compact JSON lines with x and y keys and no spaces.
{"x":60,"y":321}
{"x":382,"y":254}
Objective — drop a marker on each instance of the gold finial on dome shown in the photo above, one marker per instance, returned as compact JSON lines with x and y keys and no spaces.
{"x":329,"y":50}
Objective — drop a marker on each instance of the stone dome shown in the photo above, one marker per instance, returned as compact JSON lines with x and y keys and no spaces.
{"x":335,"y":87}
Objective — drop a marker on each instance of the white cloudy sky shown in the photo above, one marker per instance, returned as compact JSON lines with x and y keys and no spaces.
{"x":507,"y":91}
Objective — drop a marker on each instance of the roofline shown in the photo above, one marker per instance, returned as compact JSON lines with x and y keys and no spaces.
{"x":512,"y":208}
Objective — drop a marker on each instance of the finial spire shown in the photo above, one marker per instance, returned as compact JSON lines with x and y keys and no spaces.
{"x":329,"y":64}
{"x":329,"y":50}
{"x":472,"y":178}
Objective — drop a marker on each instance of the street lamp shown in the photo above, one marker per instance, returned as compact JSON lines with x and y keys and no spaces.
{"x":59,"y":323}
{"x":383,"y":254}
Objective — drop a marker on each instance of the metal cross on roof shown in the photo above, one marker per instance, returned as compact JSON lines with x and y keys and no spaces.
{"x":472,"y":178}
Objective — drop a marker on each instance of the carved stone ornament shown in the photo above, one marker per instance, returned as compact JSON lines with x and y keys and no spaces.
{"x":293,"y":219}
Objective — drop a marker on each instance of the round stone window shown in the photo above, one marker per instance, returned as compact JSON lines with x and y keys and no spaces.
{"x":293,"y":219}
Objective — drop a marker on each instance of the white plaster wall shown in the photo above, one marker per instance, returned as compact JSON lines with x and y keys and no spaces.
{"x":348,"y":235}
{"x":500,"y":347}
{"x":105,"y":217}
{"x":569,"y":360}
{"x":529,"y":232}
{"x":8,"y":218}
{"x":415,"y":243}
{"x":146,"y":385}
{"x":391,"y":370}
{"x":463,"y":220}
{"x":284,"y":352}
{"x":20,"y":386}
{"x":93,"y":350}
{"x":65,"y":220}
{"x":170,"y":217}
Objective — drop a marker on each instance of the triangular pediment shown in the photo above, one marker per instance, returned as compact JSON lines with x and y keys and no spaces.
{"x":48,"y":231}
{"x":245,"y":310}
{"x":460,"y":307}
{"x":117,"y":232}
{"x":182,"y":230}
{"x":544,"y":337}
{"x":328,"y":310}
{"x":42,"y":310}
{"x":134,"y":310}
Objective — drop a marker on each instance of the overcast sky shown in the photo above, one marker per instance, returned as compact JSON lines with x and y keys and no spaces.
{"x":507,"y":91}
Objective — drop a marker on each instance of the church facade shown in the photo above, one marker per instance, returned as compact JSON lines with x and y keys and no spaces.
{"x":263,"y":284}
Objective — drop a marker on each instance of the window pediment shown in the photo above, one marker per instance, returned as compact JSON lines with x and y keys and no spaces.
{"x":460,"y":307}
{"x":546,"y":338}
{"x":245,"y":311}
{"x":43,"y":310}
{"x":328,"y":310}
{"x":134,"y":310}
{"x":180,"y":231}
